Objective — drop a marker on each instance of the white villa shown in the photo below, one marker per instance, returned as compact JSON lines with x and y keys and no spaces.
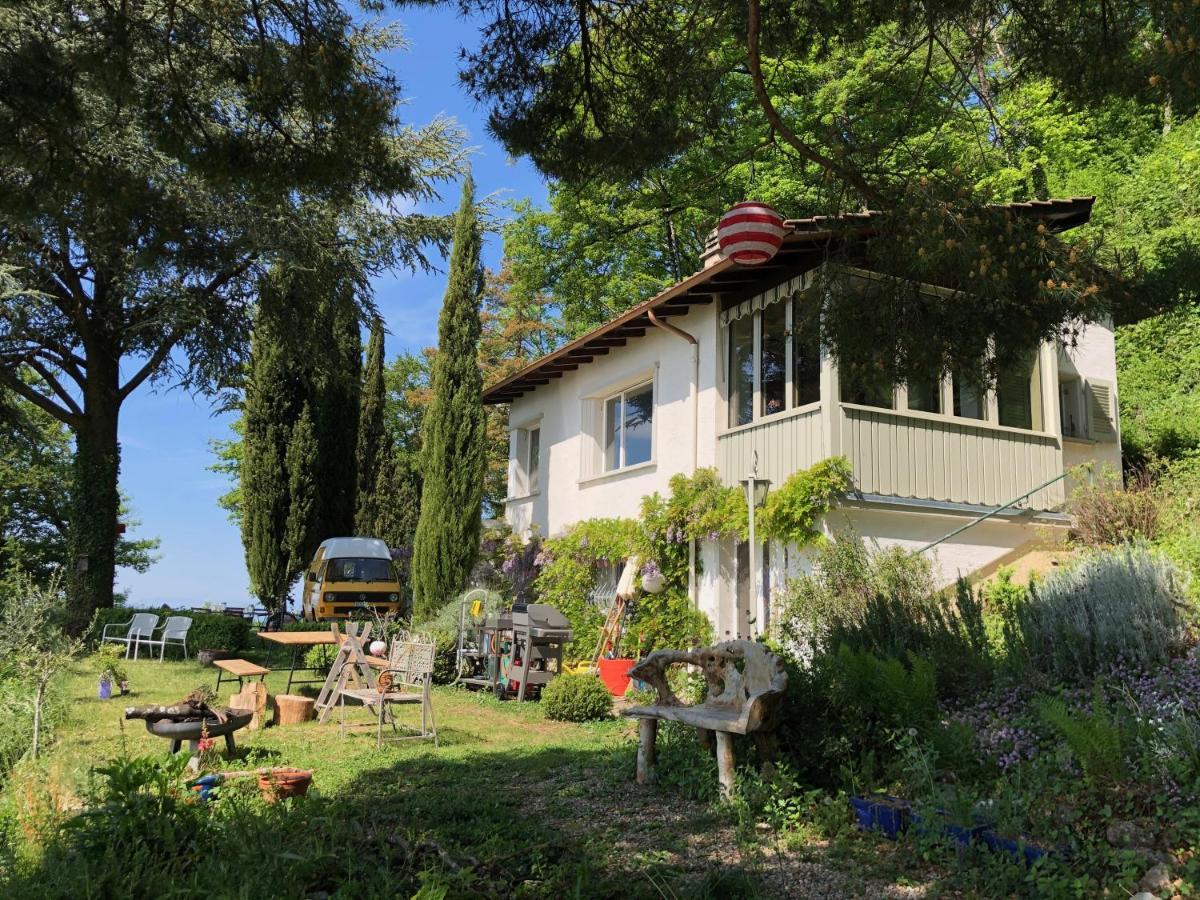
{"x":709,"y":373}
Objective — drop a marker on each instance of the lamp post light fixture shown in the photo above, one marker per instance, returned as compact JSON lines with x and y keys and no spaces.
{"x":756,"y":496}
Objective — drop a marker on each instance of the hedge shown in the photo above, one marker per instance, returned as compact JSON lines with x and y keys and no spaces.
{"x":209,"y":631}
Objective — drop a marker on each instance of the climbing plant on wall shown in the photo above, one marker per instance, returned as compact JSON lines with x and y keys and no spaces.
{"x":790,"y":513}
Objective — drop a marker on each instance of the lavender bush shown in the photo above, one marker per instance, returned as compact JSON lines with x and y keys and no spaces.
{"x":1121,"y":605}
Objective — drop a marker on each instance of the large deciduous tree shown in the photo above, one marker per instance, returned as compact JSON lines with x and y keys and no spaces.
{"x":453,"y":431}
{"x":155,"y":158}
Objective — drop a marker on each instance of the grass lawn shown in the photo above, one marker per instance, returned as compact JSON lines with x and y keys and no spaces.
{"x":509,"y":804}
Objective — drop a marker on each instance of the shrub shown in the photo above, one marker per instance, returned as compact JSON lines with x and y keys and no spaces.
{"x":847,"y":578}
{"x":1111,"y":606}
{"x":882,"y":602}
{"x":576,"y":698}
{"x":208,"y":631}
{"x":1107,"y":513}
{"x":664,"y":621}
{"x":443,"y":628}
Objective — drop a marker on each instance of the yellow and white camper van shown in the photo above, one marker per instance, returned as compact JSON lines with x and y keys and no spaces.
{"x":348,"y":576}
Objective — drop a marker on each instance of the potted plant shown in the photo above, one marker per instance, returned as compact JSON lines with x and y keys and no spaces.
{"x":111,"y":671}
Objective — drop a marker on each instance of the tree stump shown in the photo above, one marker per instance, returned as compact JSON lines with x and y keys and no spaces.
{"x":253,"y":696}
{"x":291,"y":709}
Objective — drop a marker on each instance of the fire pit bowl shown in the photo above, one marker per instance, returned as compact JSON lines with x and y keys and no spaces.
{"x":178,"y":732}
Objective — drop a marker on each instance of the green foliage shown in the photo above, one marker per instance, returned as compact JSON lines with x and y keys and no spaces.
{"x":576,"y":698}
{"x":664,"y":621}
{"x":110,"y":666}
{"x":371,"y":454}
{"x":1110,"y":606}
{"x":698,"y":508}
{"x":1096,"y":737}
{"x":883,"y":602}
{"x":35,"y":498}
{"x":303,"y":493}
{"x":791,"y":511}
{"x":1180,"y":535}
{"x":882,"y":691}
{"x":1158,"y":360}
{"x":452,"y":431}
{"x":568,"y":579}
{"x":34,"y":646}
{"x":209,"y":631}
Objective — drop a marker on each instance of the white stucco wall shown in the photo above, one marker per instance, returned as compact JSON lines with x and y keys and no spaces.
{"x":568,"y":493}
{"x":1094,"y":357}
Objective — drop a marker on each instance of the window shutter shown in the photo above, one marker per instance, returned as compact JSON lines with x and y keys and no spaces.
{"x":1102,"y":418}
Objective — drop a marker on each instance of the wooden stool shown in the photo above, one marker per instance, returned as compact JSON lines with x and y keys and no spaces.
{"x":292,"y":709}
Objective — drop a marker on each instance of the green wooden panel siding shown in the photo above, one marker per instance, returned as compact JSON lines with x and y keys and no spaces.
{"x":784,"y":444}
{"x":907,"y":456}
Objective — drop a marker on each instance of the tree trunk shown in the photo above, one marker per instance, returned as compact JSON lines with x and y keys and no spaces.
{"x":39,"y":698}
{"x":95,"y":500}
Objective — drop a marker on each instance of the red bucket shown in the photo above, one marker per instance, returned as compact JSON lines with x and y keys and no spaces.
{"x":615,"y":675}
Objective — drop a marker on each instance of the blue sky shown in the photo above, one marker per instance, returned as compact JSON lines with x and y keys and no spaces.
{"x":165,"y":433}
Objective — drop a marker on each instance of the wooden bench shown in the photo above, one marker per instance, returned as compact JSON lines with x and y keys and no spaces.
{"x":239,"y":669}
{"x":746,"y":684}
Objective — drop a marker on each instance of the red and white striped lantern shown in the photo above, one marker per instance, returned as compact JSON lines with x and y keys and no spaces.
{"x":750,"y":233}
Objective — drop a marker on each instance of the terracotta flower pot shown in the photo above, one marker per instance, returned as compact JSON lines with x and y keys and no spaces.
{"x":279,"y":784}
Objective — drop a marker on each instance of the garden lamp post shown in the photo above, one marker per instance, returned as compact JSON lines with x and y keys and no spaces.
{"x":756,"y":496}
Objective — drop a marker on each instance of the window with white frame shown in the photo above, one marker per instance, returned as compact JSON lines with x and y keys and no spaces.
{"x":773,"y":359}
{"x":1072,"y":411}
{"x":527,"y":461}
{"x":533,"y":459}
{"x":629,"y":427}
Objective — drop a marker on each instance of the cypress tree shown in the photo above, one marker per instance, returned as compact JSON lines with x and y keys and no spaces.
{"x":335,"y":413}
{"x":300,"y":462}
{"x":274,"y":399}
{"x":370,"y":454}
{"x":453,"y":430}
{"x":398,"y":504}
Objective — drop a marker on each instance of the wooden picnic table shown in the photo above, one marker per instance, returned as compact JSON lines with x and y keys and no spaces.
{"x":299,"y":641}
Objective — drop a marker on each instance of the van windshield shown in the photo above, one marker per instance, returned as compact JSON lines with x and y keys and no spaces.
{"x":359,"y":568}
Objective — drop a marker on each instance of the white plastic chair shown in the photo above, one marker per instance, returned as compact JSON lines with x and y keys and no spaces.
{"x":137,"y":631}
{"x":174,"y":631}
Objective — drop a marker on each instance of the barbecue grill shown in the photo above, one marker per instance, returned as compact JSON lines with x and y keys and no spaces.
{"x":521,"y":647}
{"x":539,"y":633}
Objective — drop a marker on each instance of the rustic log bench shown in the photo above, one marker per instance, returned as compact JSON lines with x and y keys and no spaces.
{"x":239,"y":669}
{"x":746,"y":683}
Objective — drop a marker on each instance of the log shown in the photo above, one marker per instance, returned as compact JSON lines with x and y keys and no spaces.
{"x":180,"y":713}
{"x":253,"y":696}
{"x":291,"y":709}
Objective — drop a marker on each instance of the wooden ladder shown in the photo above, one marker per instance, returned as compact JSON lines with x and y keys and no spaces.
{"x":349,"y":666}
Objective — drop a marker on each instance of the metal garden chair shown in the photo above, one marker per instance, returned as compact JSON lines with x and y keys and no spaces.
{"x":407,"y":678}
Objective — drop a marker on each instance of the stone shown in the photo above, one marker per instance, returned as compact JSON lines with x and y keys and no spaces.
{"x":1157,"y":880}
{"x":1144,"y":895}
{"x":1122,"y":833}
